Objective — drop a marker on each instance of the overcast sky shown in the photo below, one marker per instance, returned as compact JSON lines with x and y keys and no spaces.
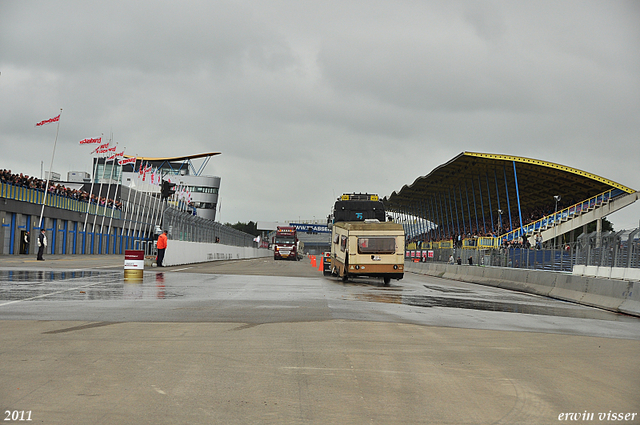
{"x":307,"y":100}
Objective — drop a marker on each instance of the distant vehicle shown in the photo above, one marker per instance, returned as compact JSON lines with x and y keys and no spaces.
{"x":363,"y":243}
{"x":285,"y":243}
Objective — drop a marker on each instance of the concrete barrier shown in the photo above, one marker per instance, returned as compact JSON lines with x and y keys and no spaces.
{"x":617,"y":273}
{"x":604,"y":272}
{"x":631,"y":304}
{"x":590,"y":271}
{"x":606,"y":294}
{"x":611,"y":294}
{"x":183,"y":252}
{"x":632,"y":274}
{"x":579,"y":270}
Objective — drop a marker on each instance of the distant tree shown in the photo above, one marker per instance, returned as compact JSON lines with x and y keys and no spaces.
{"x":250,"y":227}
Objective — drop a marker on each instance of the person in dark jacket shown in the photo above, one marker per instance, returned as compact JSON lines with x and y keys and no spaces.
{"x":42,"y":244}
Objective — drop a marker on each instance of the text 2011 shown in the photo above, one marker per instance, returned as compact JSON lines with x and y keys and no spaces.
{"x":17,"y":415}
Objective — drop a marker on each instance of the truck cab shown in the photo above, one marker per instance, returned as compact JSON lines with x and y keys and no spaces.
{"x":285,"y":244}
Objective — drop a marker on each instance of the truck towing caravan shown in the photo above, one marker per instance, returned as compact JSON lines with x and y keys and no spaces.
{"x":363,"y":243}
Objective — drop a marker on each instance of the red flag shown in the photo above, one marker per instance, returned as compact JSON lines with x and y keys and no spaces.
{"x":89,"y":141}
{"x":127,"y":161}
{"x":49,"y":121}
{"x":101,"y":148}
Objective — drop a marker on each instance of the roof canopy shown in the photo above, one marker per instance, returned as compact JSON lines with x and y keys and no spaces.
{"x":479,"y":181}
{"x":167,"y":163}
{"x":175,"y":158}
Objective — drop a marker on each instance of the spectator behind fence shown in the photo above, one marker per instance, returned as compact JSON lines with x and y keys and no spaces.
{"x":21,"y":180}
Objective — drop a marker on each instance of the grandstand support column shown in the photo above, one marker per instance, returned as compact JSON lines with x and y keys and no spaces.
{"x":598,"y":233}
{"x":515,"y":178}
{"x":506,"y":190}
{"x":489,"y":198}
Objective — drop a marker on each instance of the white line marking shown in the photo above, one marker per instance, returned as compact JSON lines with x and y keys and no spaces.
{"x":177,"y":270}
{"x":54,"y":293}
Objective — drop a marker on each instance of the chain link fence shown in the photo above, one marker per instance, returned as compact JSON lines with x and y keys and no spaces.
{"x":610,"y":249}
{"x":187,"y":227}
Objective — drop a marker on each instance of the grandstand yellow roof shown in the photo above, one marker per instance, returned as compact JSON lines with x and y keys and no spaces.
{"x":476,"y":174}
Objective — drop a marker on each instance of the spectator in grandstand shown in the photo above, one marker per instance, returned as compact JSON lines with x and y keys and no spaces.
{"x":6,"y":176}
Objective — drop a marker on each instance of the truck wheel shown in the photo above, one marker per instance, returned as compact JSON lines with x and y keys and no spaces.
{"x":387,"y":281}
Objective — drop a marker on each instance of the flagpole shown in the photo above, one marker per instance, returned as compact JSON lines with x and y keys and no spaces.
{"x":108,"y":190}
{"x":46,"y":185}
{"x":155,"y":203}
{"x":125,"y":207}
{"x":124,"y":219}
{"x":115,"y":192}
{"x":104,"y":172}
{"x":144,"y":207}
{"x":135,"y":206}
{"x":145,"y":214}
{"x":93,"y":179}
{"x":138,"y":206}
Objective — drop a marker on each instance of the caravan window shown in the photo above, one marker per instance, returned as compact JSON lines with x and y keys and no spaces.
{"x":376,"y":245}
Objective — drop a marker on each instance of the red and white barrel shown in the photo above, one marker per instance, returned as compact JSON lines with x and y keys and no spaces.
{"x":133,"y":264}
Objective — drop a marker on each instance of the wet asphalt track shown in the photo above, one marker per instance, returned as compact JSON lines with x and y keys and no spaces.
{"x":337,"y":337}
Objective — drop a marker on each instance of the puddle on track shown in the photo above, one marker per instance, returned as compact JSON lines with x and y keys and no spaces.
{"x":79,"y":285}
{"x":570,"y":310}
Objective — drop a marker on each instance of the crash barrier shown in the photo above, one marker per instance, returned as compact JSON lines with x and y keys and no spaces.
{"x":610,"y":294}
{"x":618,"y":273}
{"x":184,"y":252}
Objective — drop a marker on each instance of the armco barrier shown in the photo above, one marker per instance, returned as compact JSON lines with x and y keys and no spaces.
{"x":609,"y":294}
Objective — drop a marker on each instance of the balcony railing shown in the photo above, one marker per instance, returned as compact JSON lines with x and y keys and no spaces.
{"x":36,"y":196}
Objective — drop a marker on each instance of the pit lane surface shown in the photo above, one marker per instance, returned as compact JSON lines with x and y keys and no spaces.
{"x":263,"y":341}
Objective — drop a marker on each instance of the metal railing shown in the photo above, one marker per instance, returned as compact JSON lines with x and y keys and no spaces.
{"x":36,"y":196}
{"x":610,"y":249}
{"x":187,"y":227}
{"x":563,"y":215}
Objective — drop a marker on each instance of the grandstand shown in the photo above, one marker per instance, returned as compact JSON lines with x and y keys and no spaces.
{"x":480,"y":200}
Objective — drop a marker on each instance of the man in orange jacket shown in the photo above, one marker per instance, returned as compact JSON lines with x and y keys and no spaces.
{"x":162,"y":245}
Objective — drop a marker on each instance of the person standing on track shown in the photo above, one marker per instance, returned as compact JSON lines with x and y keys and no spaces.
{"x":162,"y":246}
{"x":42,"y":243}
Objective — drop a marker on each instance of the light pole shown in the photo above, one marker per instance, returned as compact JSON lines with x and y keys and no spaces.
{"x":555,"y":222}
{"x":499,"y":222}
